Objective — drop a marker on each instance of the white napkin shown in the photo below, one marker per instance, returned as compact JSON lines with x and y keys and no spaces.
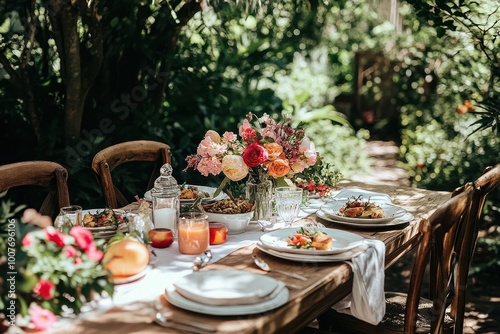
{"x":367,"y":300}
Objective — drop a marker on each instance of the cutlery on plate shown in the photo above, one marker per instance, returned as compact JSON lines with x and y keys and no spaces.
{"x":264,"y":266}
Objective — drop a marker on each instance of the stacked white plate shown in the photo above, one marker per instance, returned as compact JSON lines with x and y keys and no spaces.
{"x":394,"y":215}
{"x":345,"y":245}
{"x":227,"y":292}
{"x":106,"y":232}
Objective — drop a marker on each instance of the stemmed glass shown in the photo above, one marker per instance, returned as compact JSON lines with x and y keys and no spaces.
{"x":288,"y":201}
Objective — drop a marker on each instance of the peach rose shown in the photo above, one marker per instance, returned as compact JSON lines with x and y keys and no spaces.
{"x":278,"y":168}
{"x":213,"y":135}
{"x":274,"y":150}
{"x":234,"y":167}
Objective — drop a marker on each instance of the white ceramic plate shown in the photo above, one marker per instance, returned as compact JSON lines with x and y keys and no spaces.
{"x":342,"y":241}
{"x":176,"y":299}
{"x":391,"y":212}
{"x":348,"y":193}
{"x":226,"y":287}
{"x":209,"y":190}
{"x":132,"y":278}
{"x":398,"y":222}
{"x":314,"y":258}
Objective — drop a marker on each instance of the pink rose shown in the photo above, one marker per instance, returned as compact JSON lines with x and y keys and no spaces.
{"x":299,"y":166}
{"x":44,"y":289}
{"x":70,"y":251}
{"x":78,"y":260}
{"x":254,"y":155}
{"x":83,"y":237}
{"x":41,"y":318}
{"x":93,"y":253}
{"x":55,"y":236}
{"x":229,"y":136}
{"x":27,"y":240}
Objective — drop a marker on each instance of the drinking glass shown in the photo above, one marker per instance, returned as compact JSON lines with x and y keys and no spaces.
{"x":193,"y":234}
{"x":288,"y":201}
{"x":68,"y":217}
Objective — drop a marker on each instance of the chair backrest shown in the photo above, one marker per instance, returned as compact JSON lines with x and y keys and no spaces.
{"x":108,"y":159}
{"x":486,"y":183}
{"x":439,"y":237}
{"x":44,"y":174}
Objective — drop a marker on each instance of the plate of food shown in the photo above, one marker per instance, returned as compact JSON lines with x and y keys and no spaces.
{"x":311,"y":240}
{"x":395,"y":223}
{"x":361,"y":210}
{"x":103,"y":220}
{"x":190,"y":192}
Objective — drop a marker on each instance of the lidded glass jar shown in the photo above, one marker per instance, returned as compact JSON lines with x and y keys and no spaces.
{"x":166,"y":200}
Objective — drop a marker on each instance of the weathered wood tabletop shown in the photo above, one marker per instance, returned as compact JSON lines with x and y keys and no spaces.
{"x":327,"y":282}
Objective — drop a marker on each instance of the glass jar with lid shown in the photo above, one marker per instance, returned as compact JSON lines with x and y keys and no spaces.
{"x":166,"y":200}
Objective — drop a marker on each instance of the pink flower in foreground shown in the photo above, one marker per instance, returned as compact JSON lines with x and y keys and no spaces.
{"x":41,"y":318}
{"x":83,"y":237}
{"x":70,"y":251}
{"x":27,"y":240}
{"x":44,"y":289}
{"x":93,"y":253}
{"x":55,"y":236}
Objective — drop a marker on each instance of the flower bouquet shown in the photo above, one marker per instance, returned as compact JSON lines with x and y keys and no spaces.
{"x":265,"y":149}
{"x":55,"y":273}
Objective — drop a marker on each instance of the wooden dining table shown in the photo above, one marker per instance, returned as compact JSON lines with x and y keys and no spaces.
{"x":326,"y":284}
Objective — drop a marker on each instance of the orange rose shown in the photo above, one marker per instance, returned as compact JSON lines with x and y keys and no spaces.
{"x":278,"y":168}
{"x":274,"y":150}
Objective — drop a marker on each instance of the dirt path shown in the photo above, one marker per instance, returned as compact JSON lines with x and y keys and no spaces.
{"x":482,"y":313}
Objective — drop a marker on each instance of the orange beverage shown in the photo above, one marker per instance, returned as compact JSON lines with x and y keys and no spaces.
{"x":193,"y":235}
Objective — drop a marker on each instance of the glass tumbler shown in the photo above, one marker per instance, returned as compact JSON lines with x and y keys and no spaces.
{"x":288,"y":201}
{"x":68,"y":217}
{"x":193,"y":234}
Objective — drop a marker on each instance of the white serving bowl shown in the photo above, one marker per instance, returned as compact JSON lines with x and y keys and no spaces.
{"x":236,"y":223}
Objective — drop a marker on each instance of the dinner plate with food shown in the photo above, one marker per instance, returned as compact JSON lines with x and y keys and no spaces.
{"x":311,"y":240}
{"x":104,"y":223}
{"x":189,"y":193}
{"x":395,"y":223}
{"x":347,"y":255}
{"x":362,"y":210}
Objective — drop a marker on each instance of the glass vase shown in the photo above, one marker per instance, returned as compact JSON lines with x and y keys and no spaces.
{"x":259,"y":190}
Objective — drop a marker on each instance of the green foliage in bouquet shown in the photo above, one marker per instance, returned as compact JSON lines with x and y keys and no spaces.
{"x":52,"y":273}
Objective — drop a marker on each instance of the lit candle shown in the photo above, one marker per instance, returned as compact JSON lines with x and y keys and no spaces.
{"x":165,"y":218}
{"x":193,"y":233}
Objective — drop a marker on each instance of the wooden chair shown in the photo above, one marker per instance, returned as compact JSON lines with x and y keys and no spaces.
{"x":486,"y":183}
{"x":410,"y":313}
{"x":108,"y":159}
{"x":44,"y":174}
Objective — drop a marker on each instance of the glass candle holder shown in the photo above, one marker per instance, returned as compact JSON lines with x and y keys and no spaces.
{"x":193,"y":234}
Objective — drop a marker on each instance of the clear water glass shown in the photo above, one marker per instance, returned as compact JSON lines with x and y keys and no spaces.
{"x":288,"y":201}
{"x":68,"y":217}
